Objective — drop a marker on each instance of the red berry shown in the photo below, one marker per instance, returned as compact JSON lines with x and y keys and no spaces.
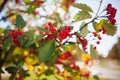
{"x":95,"y":47}
{"x":85,"y":73}
{"x":49,"y":37}
{"x":19,"y":78}
{"x":83,"y":42}
{"x":17,"y":1}
{"x":98,"y":42}
{"x":99,"y":38}
{"x":63,"y":34}
{"x":94,"y":33}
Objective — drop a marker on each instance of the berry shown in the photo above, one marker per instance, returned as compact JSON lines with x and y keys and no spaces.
{"x":63,"y":34}
{"x":95,"y":34}
{"x":49,"y":37}
{"x":111,"y":12}
{"x":17,"y":1}
{"x":83,"y":42}
{"x":65,"y":55}
{"x":98,"y":42}
{"x":95,"y":47}
{"x":52,"y":28}
{"x":15,"y":35}
{"x":74,"y":66}
{"x":32,"y":51}
{"x":85,"y":73}
{"x":19,"y":78}
{"x":103,"y":31}
{"x":99,"y":38}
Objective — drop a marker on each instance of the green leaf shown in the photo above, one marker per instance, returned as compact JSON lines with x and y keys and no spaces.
{"x":82,"y":15}
{"x":22,"y":40}
{"x":46,"y":50}
{"x":96,"y":77}
{"x":18,"y":60}
{"x":83,"y":7}
{"x":11,"y":69}
{"x":110,"y":29}
{"x":93,"y":52}
{"x":84,"y":31}
{"x":57,"y":17}
{"x":33,"y":40}
{"x":41,"y":29}
{"x":53,"y":58}
{"x":20,"y":23}
{"x":7,"y":44}
{"x":12,"y":77}
{"x":1,"y":71}
{"x":31,"y":9}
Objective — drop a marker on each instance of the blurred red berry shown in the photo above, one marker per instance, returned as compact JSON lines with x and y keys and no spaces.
{"x":95,"y":47}
{"x":19,"y":78}
{"x":63,"y":34}
{"x":98,"y":42}
{"x":83,"y":41}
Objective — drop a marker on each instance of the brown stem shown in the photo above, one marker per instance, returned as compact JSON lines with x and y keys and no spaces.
{"x":4,"y":18}
{"x":2,"y":5}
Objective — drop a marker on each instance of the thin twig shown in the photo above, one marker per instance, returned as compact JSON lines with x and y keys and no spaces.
{"x":99,"y":8}
{"x":2,"y":5}
{"x":4,"y":18}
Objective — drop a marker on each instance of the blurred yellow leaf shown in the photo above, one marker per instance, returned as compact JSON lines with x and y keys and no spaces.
{"x":1,"y":30}
{"x":25,"y":52}
{"x":85,"y":57}
{"x":13,"y":17}
{"x":30,"y":67}
{"x":1,"y":1}
{"x":70,"y":47}
{"x":18,"y":51}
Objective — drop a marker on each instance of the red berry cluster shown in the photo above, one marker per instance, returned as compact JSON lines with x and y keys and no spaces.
{"x":83,"y":41}
{"x":51,"y":31}
{"x":85,"y":73}
{"x":111,"y":11}
{"x":69,"y":58}
{"x":52,"y":28}
{"x":69,"y":2}
{"x":63,"y":34}
{"x":65,"y":55}
{"x":19,"y":78}
{"x":38,"y":2}
{"x":15,"y":35}
{"x":32,"y":51}
{"x":74,"y":66}
{"x":17,"y":1}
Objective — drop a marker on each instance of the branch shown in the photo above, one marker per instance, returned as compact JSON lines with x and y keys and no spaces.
{"x":2,"y":5}
{"x":4,"y":18}
{"x":96,"y":16}
{"x":99,"y":8}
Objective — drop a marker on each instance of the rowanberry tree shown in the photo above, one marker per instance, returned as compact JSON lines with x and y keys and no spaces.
{"x":43,"y":47}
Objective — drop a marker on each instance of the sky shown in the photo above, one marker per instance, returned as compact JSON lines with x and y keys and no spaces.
{"x":107,"y":41}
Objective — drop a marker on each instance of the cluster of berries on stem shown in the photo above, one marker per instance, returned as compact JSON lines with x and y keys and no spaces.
{"x":83,"y":41}
{"x":63,"y":34}
{"x":15,"y":35}
{"x":111,"y":12}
